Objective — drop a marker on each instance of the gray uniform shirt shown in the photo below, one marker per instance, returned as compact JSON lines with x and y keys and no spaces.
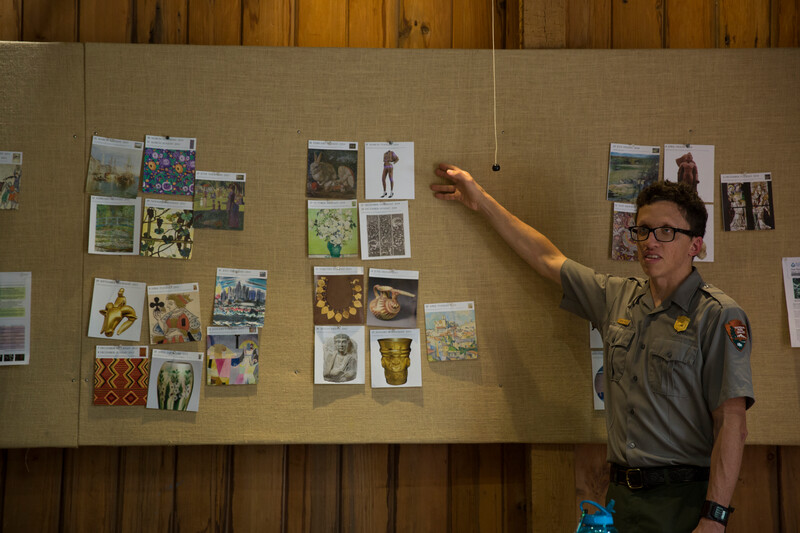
{"x":666,"y":368}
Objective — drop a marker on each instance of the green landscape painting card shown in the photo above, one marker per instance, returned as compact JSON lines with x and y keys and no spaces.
{"x":169,"y":165}
{"x":115,"y":225}
{"x":219,"y":200}
{"x":631,"y":168}
{"x":115,"y":167}
{"x":167,"y":229}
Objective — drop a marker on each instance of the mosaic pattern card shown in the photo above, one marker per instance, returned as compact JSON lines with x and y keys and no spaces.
{"x":174,"y":313}
{"x":121,"y":375}
{"x":332,"y":228}
{"x":175,"y":379}
{"x":240,"y":298}
{"x":395,"y":358}
{"x":10,"y":178}
{"x":631,"y":168}
{"x":169,"y":165}
{"x":115,"y":166}
{"x":167,"y":229}
{"x":339,"y":355}
{"x":15,"y":318}
{"x":389,"y":170}
{"x":747,"y":201}
{"x":384,"y":230}
{"x":117,"y":310}
{"x":338,"y":295}
{"x":451,"y":332}
{"x":332,"y":169}
{"x":219,"y":200}
{"x":392,"y":298}
{"x":231,"y":356}
{"x":115,"y":225}
{"x":622,"y":247}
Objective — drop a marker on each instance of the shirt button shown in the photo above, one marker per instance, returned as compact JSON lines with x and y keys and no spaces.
{"x":631,"y":445}
{"x":635,"y":379}
{"x":641,"y":346}
{"x":632,"y":411}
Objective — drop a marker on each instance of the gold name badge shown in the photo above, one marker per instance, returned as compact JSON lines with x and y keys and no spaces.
{"x":623,"y":321}
{"x":681,"y":323}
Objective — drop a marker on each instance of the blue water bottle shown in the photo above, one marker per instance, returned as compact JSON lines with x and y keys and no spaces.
{"x":599,"y":522}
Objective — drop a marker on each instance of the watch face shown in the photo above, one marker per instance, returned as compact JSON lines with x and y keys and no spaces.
{"x":719,"y":512}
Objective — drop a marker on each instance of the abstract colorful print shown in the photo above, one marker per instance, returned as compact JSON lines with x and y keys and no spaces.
{"x":168,"y":171}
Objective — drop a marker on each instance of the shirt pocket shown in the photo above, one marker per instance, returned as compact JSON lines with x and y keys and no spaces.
{"x":671,"y":367}
{"x":619,"y":343}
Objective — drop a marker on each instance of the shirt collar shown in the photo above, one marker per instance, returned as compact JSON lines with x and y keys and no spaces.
{"x":682,"y":296}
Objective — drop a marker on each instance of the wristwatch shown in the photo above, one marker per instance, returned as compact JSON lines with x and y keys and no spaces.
{"x":716,"y":512}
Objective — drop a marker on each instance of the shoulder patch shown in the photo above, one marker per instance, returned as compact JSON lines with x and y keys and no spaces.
{"x":737,"y":333}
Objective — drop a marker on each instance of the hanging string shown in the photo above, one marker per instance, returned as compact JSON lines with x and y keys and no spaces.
{"x":496,"y":166}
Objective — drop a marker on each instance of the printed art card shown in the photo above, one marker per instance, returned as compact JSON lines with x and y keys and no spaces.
{"x":15,"y":318}
{"x":598,"y":380}
{"x":747,"y":201}
{"x":395,"y":358}
{"x":623,"y":248}
{"x":117,"y":310}
{"x":219,"y":200}
{"x":332,"y":169}
{"x":115,"y":166}
{"x":115,"y":225}
{"x":10,"y":178}
{"x":232,"y":356}
{"x":451,"y":332}
{"x":240,"y":298}
{"x":389,"y":170}
{"x":791,"y":286}
{"x":392,"y":298}
{"x":332,"y":228}
{"x":121,"y":375}
{"x":167,"y":229}
{"x":692,"y":164}
{"x":169,"y":165}
{"x":384,"y":230}
{"x":174,"y":313}
{"x":339,"y":355}
{"x":175,"y":379}
{"x":631,"y":168}
{"x":706,"y":255}
{"x":338,"y":295}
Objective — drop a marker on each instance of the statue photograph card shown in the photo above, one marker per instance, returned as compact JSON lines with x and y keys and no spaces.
{"x":219,"y":200}
{"x":167,"y":229}
{"x":631,"y":168}
{"x":451,"y":332}
{"x":15,"y":318}
{"x":121,"y":375}
{"x":240,"y":298}
{"x":115,"y":166}
{"x":332,"y":228}
{"x":747,"y":201}
{"x":623,"y":248}
{"x":395,"y":358}
{"x":115,"y":225}
{"x":339,"y":355}
{"x":392,"y":298}
{"x":332,"y":169}
{"x":169,"y":165}
{"x":117,"y":310}
{"x":389,"y":170}
{"x":692,"y":164}
{"x":231,"y":356}
{"x":174,"y":313}
{"x":338,"y":296}
{"x":175,"y":379}
{"x":706,"y":254}
{"x":384,"y":230}
{"x":10,"y":179}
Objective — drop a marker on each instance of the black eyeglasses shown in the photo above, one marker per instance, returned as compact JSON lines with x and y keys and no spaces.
{"x":662,"y":233}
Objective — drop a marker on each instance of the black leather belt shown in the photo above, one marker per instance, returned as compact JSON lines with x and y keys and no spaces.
{"x":642,"y":478}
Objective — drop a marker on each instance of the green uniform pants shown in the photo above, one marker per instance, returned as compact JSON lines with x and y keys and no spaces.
{"x":668,"y":508}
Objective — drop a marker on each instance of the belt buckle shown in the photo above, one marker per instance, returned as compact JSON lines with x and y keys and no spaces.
{"x":634,"y":486}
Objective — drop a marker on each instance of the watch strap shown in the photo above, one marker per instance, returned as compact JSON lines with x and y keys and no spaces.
{"x":716,"y":512}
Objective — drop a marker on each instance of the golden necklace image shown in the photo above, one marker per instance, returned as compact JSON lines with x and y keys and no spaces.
{"x":338,"y":313}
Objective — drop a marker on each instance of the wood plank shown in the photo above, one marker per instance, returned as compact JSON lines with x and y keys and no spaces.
{"x":691,"y":24}
{"x":105,"y":21}
{"x":472,"y":24}
{"x":217,"y":22}
{"x":367,"y":487}
{"x":553,"y":487}
{"x":545,"y":24}
{"x":638,"y":24}
{"x":591,"y":473}
{"x":313,"y":496}
{"x":426,"y":24}
{"x":516,"y":487}
{"x":785,"y":30}
{"x":510,"y":20}
{"x":202,"y":484}
{"x":10,"y":20}
{"x":50,"y":21}
{"x":147,"y":488}
{"x":161,"y":21}
{"x":422,"y":479}
{"x":756,"y":496}
{"x":32,"y":490}
{"x":588,"y":24}
{"x":257,"y":488}
{"x":91,"y":485}
{"x":789,"y":487}
{"x":321,"y":23}
{"x":744,"y":23}
{"x":465,"y":512}
{"x":373,"y":24}
{"x":268,"y":23}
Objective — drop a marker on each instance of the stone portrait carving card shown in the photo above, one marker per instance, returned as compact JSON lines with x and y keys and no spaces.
{"x":339,"y":355}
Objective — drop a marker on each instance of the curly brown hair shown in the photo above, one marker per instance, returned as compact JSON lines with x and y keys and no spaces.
{"x":684,"y":196}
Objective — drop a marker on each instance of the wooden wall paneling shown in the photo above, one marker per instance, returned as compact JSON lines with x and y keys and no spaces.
{"x":257,"y":488}
{"x":202,"y":485}
{"x":789,"y":487}
{"x":321,"y":23}
{"x":313,"y":495}
{"x":10,"y":20}
{"x":147,"y":488}
{"x":426,"y":24}
{"x":367,"y":487}
{"x":105,"y":21}
{"x":216,"y":22}
{"x":373,"y":24}
{"x":545,"y":24}
{"x":32,"y":490}
{"x":422,"y":488}
{"x":690,"y":24}
{"x":552,"y":487}
{"x":637,"y":24}
{"x":591,"y":473}
{"x":50,"y":20}
{"x":785,"y":29}
{"x":588,"y":24}
{"x":268,"y":22}
{"x":161,"y":21}
{"x":756,"y":497}
{"x":90,"y":489}
{"x":516,"y":487}
{"x":744,"y":23}
{"x":509,"y":15}
{"x":472,"y":24}
{"x":476,"y":491}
